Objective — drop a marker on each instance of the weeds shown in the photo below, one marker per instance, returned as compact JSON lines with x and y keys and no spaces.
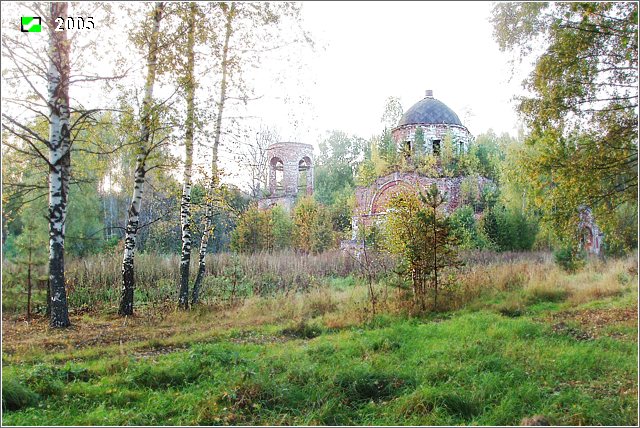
{"x":303,"y":330}
{"x":530,"y":339}
{"x":16,"y":396}
{"x":358,"y":386}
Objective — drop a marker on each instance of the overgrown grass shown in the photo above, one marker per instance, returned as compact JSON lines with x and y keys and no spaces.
{"x":475,"y":368}
{"x":94,"y":281}
{"x":519,"y":338}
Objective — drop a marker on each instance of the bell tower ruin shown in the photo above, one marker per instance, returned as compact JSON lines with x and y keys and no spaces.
{"x":290,"y":174}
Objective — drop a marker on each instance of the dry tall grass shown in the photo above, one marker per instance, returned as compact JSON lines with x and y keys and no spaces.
{"x":290,"y":286}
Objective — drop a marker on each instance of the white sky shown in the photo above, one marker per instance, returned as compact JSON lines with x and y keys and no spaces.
{"x":373,"y":50}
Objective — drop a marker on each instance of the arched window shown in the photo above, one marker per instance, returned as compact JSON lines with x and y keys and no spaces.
{"x":276,"y":175}
{"x":304,"y":175}
{"x":436,"y":148}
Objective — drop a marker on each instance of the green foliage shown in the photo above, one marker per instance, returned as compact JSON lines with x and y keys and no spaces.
{"x":340,"y":149}
{"x":570,"y":258}
{"x":582,"y":111}
{"x":387,"y":149}
{"x":336,"y":166}
{"x":508,"y":229}
{"x":490,"y":152}
{"x":465,"y":228}
{"x":262,"y":230}
{"x":374,"y":166}
{"x":313,"y":232}
{"x":331,"y":180}
{"x":419,"y":144}
{"x":342,"y":210}
{"x":309,"y":229}
{"x":30,"y":245}
{"x":335,"y":176}
{"x":448,"y":156}
{"x":428,"y":165}
{"x":281,"y":226}
{"x":16,"y":396}
{"x":44,"y":380}
{"x":422,"y":237}
{"x":84,"y":225}
{"x":621,"y":232}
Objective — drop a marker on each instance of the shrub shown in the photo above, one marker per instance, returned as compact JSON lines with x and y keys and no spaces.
{"x":16,"y":396}
{"x":313,"y":231}
{"x":303,"y":330}
{"x":44,"y":380}
{"x":570,"y":259}
{"x":539,"y":294}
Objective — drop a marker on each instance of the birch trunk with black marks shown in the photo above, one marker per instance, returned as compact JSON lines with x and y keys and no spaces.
{"x":126,"y":297}
{"x":229,"y":15}
{"x":59,"y":163}
{"x":185,"y":203}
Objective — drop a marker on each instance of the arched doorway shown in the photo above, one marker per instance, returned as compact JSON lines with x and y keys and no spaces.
{"x":586,"y":239}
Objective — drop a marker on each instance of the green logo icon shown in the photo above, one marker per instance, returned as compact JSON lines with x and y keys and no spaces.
{"x":31,"y":24}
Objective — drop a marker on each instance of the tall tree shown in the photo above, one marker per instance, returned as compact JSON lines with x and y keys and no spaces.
{"x":185,"y":203}
{"x":250,"y":29}
{"x":336,"y":165}
{"x":441,"y":246}
{"x":59,"y":162}
{"x":57,"y":144}
{"x":229,"y":14}
{"x":144,"y":150}
{"x":583,"y":109}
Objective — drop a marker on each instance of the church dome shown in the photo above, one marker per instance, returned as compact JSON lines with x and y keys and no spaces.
{"x":430,"y":111}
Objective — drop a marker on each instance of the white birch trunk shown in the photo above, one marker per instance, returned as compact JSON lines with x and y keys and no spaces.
{"x":128,"y":284}
{"x":185,"y":203}
{"x":59,"y":160}
{"x":230,"y":14}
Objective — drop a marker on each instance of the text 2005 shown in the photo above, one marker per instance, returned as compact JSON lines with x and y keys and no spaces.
{"x":77,"y":23}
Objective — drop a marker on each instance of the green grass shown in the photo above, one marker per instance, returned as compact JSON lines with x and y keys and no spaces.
{"x":471,"y":368}
{"x":525,"y":339}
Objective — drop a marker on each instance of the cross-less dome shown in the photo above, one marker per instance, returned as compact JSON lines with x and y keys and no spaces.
{"x":429,"y":110}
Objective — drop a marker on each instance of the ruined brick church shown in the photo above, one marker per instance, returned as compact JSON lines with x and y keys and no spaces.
{"x":291,"y":166}
{"x":436,"y":121}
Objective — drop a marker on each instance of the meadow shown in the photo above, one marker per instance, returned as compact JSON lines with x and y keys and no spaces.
{"x":292,"y":340}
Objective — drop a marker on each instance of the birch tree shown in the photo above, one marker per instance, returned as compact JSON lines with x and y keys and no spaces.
{"x":185,"y":202}
{"x":581,"y":109}
{"x":249,"y":31}
{"x":57,"y":143}
{"x":146,"y":145}
{"x":59,"y":162}
{"x":228,"y":12}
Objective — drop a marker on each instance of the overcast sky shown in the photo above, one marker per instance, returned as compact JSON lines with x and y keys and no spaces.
{"x":368,"y":51}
